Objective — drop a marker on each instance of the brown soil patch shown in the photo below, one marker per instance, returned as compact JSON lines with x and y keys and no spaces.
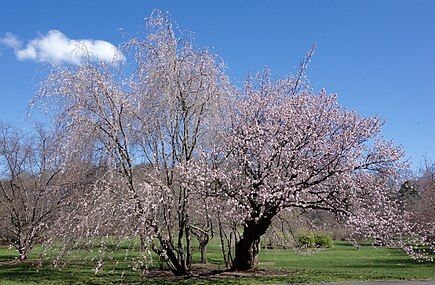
{"x":211,"y":271}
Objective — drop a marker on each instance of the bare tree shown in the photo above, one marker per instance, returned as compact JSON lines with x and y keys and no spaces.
{"x":32,"y":187}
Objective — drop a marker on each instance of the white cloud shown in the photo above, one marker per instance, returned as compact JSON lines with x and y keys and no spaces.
{"x":10,"y":40}
{"x":56,"y":48}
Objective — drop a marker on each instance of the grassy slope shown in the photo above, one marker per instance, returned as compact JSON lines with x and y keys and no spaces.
{"x":342,"y":262}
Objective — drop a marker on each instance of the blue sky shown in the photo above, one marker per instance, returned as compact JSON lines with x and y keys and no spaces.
{"x":379,"y":56}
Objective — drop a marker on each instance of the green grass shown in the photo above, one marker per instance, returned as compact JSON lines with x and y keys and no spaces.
{"x":344,"y":262}
{"x":338,"y":263}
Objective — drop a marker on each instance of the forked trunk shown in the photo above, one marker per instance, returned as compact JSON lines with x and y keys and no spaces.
{"x":248,"y":247}
{"x":246,"y":254}
{"x":169,"y":255}
{"x":23,"y":253}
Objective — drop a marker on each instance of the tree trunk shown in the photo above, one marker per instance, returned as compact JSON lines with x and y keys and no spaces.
{"x":188,"y":243}
{"x":247,"y":250}
{"x":23,"y":253}
{"x":203,"y":251}
{"x":248,"y":247}
{"x":142,"y":243}
{"x":168,"y":254}
{"x":221,"y":237}
{"x":203,"y":239}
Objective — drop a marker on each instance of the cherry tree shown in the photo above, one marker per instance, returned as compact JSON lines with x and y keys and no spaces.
{"x":142,"y":126}
{"x":418,"y":197}
{"x":284,"y":146}
{"x":425,"y":210}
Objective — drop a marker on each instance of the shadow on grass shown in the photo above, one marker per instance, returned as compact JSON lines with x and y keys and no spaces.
{"x":7,"y":257}
{"x":29,"y":272}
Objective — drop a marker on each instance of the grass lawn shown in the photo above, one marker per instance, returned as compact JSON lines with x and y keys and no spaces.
{"x":341,"y":262}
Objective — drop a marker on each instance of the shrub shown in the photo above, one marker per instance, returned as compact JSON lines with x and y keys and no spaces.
{"x":323,"y":240}
{"x":306,"y":239}
{"x":314,"y":239}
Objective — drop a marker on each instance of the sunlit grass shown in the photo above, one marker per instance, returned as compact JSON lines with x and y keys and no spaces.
{"x":341,"y":262}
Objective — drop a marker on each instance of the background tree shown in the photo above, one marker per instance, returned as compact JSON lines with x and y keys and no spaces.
{"x":33,"y":186}
{"x":423,"y":207}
